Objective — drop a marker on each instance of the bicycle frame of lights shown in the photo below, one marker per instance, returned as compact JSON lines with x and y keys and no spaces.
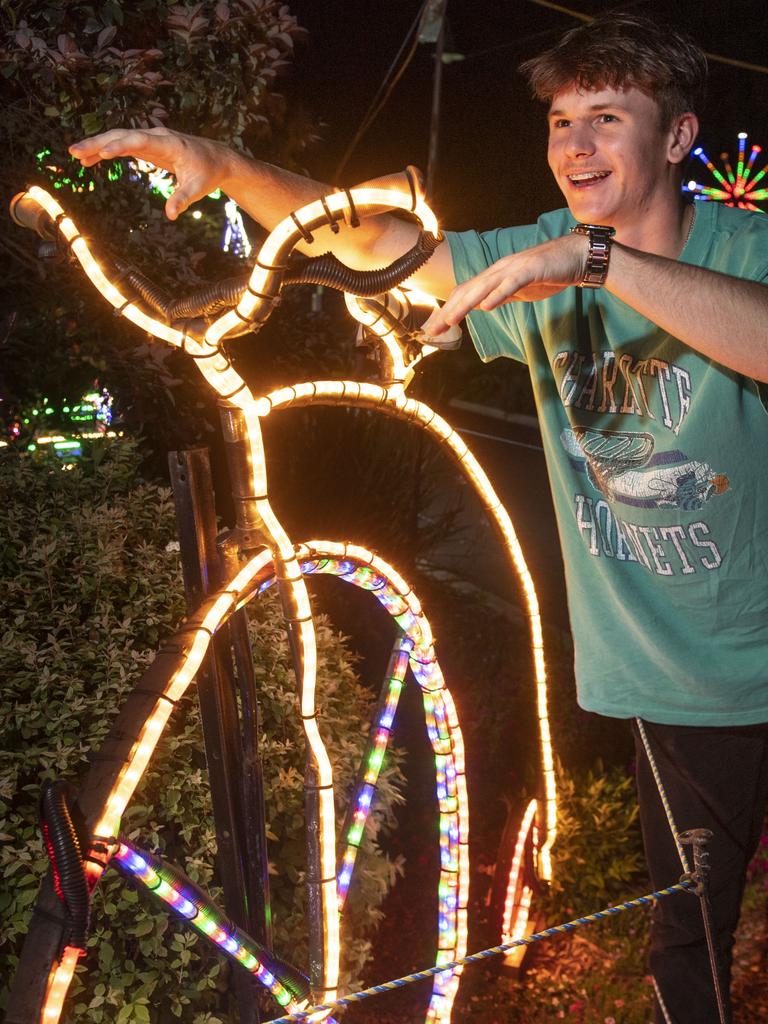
{"x":288,"y":565}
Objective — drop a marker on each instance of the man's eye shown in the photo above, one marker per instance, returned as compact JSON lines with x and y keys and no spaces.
{"x":607,"y":118}
{"x":560,"y":122}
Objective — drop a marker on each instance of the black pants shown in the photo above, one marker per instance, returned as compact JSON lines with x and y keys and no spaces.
{"x":715,"y":778}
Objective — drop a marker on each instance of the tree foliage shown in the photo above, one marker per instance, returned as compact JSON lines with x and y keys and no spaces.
{"x":70,"y":69}
{"x":208,"y":68}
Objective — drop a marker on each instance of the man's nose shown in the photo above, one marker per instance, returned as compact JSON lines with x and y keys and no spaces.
{"x":580,"y":142}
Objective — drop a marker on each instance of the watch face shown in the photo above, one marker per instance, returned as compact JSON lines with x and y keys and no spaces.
{"x":584,"y":229}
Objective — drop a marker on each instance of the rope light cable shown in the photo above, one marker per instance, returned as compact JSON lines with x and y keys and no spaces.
{"x":186,"y":900}
{"x":485,"y":954}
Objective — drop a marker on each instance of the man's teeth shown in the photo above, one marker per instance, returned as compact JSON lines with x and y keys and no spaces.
{"x":589,"y":175}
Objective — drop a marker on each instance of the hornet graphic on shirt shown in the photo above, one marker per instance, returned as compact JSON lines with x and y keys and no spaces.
{"x":624,"y":467}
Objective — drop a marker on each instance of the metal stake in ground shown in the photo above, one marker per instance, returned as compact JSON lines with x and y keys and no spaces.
{"x":698,"y":839}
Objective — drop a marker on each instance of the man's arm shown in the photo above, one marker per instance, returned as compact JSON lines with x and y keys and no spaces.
{"x":724,"y":318}
{"x":268,"y":194}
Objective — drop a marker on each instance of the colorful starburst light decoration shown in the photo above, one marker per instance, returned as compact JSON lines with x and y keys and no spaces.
{"x":734,"y":188}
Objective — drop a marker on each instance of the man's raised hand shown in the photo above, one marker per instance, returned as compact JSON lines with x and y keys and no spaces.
{"x":199,"y":165}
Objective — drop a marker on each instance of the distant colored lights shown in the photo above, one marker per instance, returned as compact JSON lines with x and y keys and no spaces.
{"x":732,"y":187}
{"x":234,"y":237}
{"x":94,"y":409}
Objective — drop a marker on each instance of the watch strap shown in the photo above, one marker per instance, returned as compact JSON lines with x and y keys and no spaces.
{"x":599,"y":239}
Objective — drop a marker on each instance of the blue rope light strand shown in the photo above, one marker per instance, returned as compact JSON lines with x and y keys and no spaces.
{"x":526,"y":940}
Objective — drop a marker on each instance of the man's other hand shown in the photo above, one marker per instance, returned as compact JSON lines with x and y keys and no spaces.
{"x":526,"y":276}
{"x":199,"y":165}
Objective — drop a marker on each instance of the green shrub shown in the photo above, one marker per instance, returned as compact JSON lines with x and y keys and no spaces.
{"x":91,"y":583}
{"x":598,"y":853}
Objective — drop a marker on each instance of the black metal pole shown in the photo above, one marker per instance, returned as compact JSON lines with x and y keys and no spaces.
{"x":698,"y":838}
{"x":434,"y":122}
{"x":196,"y":518}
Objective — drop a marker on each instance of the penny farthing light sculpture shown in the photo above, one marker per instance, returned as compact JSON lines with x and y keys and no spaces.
{"x":373,"y":299}
{"x":734,"y":187}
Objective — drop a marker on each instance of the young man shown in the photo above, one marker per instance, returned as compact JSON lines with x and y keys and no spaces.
{"x":645,"y":332}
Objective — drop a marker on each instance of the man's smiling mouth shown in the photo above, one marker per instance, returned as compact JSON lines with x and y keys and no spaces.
{"x":583,"y":179}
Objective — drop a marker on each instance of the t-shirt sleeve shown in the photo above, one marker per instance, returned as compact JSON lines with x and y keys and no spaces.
{"x":755,"y":266}
{"x":499,"y":332}
{"x":744,"y":252}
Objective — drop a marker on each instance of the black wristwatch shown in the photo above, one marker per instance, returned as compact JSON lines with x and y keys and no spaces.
{"x":599,"y":254}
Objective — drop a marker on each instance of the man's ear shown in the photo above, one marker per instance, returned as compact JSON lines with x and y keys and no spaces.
{"x":682,"y":136}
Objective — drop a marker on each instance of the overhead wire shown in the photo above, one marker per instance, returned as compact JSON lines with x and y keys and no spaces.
{"x":513,"y":44}
{"x":717,"y":57}
{"x":390,"y":80}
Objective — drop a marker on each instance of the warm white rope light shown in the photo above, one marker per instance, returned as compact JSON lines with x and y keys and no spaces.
{"x":516,"y":913}
{"x":394,"y":401}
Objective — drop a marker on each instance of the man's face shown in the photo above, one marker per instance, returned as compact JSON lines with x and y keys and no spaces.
{"x":608,"y":153}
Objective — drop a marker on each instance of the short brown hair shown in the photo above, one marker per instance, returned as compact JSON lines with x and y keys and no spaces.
{"x":621,"y":50}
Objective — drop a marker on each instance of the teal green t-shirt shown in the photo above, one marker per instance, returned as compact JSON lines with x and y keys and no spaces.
{"x":658,"y":463}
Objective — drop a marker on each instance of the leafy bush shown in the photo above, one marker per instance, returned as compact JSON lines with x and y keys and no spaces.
{"x":90,"y":586}
{"x":598,"y":853}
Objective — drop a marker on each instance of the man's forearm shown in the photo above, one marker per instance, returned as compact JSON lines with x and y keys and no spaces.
{"x":270,"y":194}
{"x":724,"y":318}
{"x":267,"y":192}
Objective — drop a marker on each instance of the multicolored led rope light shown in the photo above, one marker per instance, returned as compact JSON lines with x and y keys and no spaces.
{"x":373,"y":757}
{"x":204,"y":917}
{"x":733,"y":188}
{"x":362,"y":568}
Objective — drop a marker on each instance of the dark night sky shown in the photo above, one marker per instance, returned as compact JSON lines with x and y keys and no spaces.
{"x":492,"y":165}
